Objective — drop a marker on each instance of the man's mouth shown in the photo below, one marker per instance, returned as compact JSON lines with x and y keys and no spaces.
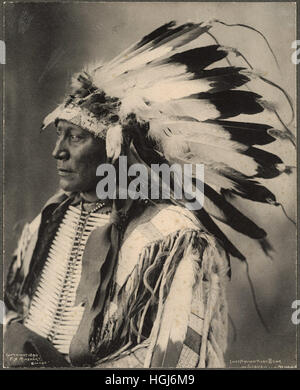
{"x":64,"y":172}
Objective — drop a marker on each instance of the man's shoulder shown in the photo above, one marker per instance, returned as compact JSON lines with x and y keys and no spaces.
{"x":158,"y":229}
{"x":160,"y":220}
{"x":156,"y":224}
{"x":57,"y":198}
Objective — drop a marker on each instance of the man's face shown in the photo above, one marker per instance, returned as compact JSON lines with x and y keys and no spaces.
{"x":78,"y":155}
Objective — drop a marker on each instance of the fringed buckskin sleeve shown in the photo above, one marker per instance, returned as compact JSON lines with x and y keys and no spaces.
{"x":171,"y":306}
{"x":15,"y":301}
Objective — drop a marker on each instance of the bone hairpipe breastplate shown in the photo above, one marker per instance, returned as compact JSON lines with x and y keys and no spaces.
{"x":52,"y":313}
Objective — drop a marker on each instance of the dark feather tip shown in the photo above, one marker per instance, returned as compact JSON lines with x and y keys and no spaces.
{"x":199,"y":58}
{"x":247,"y":133}
{"x":266,"y":247}
{"x":159,"y":32}
{"x":233,"y":102}
{"x":288,"y":169}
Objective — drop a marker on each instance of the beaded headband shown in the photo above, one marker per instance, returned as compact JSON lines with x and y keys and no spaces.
{"x":87,"y":107}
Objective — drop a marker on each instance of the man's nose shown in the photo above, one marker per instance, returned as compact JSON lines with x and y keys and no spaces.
{"x":60,"y":151}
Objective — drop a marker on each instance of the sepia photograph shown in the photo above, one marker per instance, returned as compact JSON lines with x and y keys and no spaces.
{"x":149,"y":185}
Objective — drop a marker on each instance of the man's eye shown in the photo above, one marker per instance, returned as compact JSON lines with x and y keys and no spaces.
{"x":75,"y":138}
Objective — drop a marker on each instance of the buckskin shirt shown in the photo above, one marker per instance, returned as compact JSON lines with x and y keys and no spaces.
{"x":163,"y":301}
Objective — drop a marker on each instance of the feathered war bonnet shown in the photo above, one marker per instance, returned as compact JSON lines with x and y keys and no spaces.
{"x":169,"y":105}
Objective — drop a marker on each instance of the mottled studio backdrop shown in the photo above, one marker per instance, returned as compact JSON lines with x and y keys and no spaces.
{"x":47,"y":43}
